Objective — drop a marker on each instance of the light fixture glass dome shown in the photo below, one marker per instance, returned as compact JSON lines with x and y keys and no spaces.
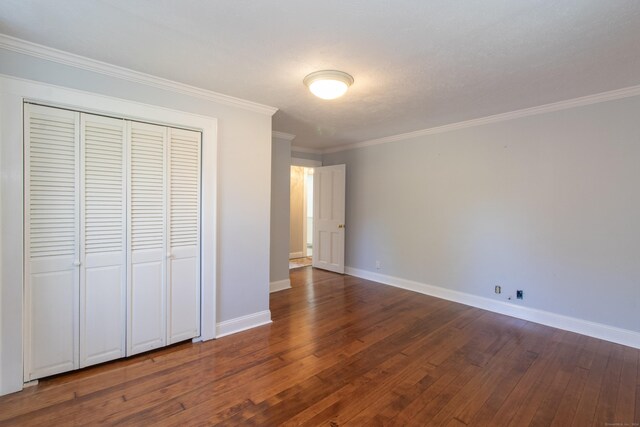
{"x":328,"y":84}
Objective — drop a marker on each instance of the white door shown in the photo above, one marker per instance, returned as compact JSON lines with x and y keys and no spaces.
{"x":183,"y":309}
{"x":52,"y":255}
{"x":328,"y":217}
{"x":147,"y":255}
{"x":103,"y":240}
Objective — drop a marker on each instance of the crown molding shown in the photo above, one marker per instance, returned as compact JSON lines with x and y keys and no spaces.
{"x":65,"y":58}
{"x":299,"y":149}
{"x":556,"y":106}
{"x":283,"y":135}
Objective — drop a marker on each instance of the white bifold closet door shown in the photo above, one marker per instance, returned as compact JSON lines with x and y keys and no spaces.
{"x":164,"y":233}
{"x":75,"y":248}
{"x":183,"y":321}
{"x":103,"y":279}
{"x":112,"y":238}
{"x":148,"y":250}
{"x":52,"y":178}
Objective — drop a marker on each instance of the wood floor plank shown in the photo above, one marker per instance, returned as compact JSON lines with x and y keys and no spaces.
{"x":627,"y":389}
{"x":540,"y":399}
{"x":549,"y":405}
{"x":347,"y":351}
{"x":605,"y":412}
{"x":593,"y":386}
{"x":503,"y":378}
{"x":568,"y":404}
{"x":491,"y":373}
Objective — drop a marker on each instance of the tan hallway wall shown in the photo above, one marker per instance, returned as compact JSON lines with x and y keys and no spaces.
{"x":296,"y":239}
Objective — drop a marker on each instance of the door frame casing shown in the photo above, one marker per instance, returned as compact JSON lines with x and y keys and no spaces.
{"x":13,"y":93}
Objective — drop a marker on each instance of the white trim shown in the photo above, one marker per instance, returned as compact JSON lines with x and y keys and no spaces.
{"x":282,"y":135}
{"x":66,"y":58}
{"x":279,"y":285}
{"x":307,"y":163}
{"x":243,"y":323}
{"x":13,"y":91}
{"x":580,"y":326}
{"x":298,"y":149}
{"x":556,"y":106}
{"x":294,"y":255}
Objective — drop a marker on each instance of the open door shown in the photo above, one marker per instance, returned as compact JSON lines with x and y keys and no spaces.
{"x":328,"y":217}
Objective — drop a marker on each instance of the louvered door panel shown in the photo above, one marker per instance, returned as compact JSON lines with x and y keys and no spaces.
{"x":183,"y":320}
{"x":147,"y":238}
{"x":51,"y":240}
{"x":103,"y":226}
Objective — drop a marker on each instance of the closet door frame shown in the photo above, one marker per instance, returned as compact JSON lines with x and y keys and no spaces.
{"x":14,"y":92}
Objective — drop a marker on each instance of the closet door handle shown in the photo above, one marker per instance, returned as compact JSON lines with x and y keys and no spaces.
{"x":77,"y":263}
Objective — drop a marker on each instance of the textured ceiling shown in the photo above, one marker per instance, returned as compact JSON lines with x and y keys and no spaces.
{"x":416,"y":63}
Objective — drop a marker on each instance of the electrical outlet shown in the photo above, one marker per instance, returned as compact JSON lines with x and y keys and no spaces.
{"x":498,"y":289}
{"x":377,"y":264}
{"x":519,"y":294}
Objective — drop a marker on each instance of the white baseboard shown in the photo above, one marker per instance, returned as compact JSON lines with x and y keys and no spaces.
{"x":580,"y":326}
{"x":293,"y":255}
{"x":243,"y":323}
{"x":279,"y":285}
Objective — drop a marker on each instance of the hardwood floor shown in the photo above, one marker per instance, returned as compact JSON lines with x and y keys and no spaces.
{"x":300,"y":262}
{"x":346,"y":351}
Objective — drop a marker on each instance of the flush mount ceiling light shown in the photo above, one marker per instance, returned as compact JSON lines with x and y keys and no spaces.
{"x":328,"y":84}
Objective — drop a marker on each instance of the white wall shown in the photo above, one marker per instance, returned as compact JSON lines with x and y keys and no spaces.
{"x":280,"y":172}
{"x":243,"y":197}
{"x":548,"y":203}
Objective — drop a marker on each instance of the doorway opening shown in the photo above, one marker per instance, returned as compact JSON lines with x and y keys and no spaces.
{"x":301,"y":214}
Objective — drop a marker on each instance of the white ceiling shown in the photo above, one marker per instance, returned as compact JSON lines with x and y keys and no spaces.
{"x":416,"y":63}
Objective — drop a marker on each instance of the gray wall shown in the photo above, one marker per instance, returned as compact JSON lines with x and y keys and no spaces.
{"x":548,"y":203}
{"x":280,"y":171}
{"x":244,"y":175}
